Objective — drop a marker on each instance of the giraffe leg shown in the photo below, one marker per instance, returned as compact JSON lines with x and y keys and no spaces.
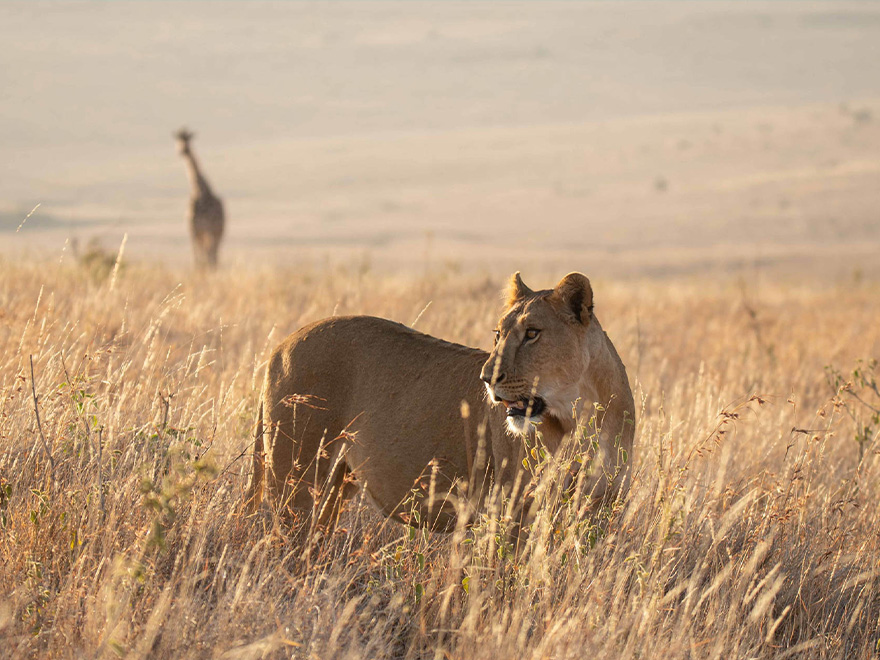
{"x":198,"y":252}
{"x":213,"y":246}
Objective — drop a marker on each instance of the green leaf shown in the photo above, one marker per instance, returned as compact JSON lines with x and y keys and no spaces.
{"x":465,"y":583}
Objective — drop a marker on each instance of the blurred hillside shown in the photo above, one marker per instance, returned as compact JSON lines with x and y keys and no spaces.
{"x":629,"y":138}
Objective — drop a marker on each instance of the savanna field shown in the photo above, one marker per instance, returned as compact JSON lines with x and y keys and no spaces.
{"x":127,"y":404}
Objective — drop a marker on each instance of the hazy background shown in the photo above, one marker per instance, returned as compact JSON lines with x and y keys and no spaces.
{"x":621,"y":139}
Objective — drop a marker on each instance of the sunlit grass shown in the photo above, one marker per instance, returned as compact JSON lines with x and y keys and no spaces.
{"x":751,"y":529}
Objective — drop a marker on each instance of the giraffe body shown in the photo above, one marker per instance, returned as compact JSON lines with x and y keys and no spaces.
{"x":206,"y":216}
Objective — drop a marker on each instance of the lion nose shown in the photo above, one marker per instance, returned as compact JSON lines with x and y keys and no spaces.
{"x":491,"y":378}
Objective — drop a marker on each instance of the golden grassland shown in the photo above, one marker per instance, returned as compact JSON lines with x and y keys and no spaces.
{"x":751,"y":530}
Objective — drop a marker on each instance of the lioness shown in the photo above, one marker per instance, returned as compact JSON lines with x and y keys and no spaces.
{"x":362,"y":402}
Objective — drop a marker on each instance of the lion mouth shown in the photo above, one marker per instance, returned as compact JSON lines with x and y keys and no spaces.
{"x":535,"y":407}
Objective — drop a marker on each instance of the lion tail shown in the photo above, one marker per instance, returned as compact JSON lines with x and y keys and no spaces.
{"x":254,"y":495}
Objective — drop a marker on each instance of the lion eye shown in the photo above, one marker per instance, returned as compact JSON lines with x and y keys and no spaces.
{"x":532,"y":333}
{"x":497,"y":336}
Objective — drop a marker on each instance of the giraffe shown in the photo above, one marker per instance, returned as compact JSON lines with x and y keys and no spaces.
{"x":206,"y":218}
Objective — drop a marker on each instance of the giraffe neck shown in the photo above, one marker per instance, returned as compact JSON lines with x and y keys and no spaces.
{"x":198,"y":184}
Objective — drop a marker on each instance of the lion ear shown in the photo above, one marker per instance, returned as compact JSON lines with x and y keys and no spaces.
{"x":576,"y":294}
{"x":516,"y":290}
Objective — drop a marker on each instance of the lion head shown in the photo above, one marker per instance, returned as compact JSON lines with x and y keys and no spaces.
{"x":540,"y":355}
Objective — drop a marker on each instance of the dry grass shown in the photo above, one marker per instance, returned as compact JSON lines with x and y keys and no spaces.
{"x":741,"y":538}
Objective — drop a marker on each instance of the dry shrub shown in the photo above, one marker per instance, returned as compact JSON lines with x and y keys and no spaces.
{"x":751,"y":529}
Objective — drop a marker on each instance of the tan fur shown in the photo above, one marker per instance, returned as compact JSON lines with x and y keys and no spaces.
{"x":570,"y":365}
{"x":361,"y":402}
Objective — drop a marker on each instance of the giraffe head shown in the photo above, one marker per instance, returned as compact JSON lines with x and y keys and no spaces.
{"x":182,"y":137}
